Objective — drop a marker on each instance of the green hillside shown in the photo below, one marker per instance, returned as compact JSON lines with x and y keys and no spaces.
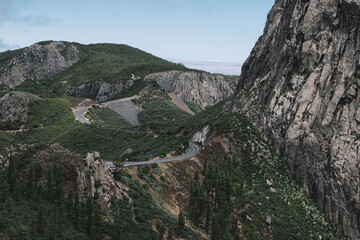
{"x":113,"y":62}
{"x":105,"y":62}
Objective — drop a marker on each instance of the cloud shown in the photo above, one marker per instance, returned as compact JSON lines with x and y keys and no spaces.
{"x":10,"y":13}
{"x":34,"y":20}
{"x":6,"y":10}
{"x":4,"y":46}
{"x":229,"y":68}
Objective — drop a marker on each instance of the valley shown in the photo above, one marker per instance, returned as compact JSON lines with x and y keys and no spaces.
{"x":106,"y":141}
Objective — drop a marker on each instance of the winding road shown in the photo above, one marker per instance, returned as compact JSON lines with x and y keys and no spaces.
{"x":193,"y":148}
{"x":79,"y":114}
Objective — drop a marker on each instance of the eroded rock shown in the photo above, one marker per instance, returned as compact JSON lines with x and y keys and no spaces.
{"x":14,"y":109}
{"x":37,"y":62}
{"x":300,"y":87}
{"x":201,"y":88}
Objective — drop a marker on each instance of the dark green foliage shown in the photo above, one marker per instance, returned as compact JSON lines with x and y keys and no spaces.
{"x":45,"y":112}
{"x":39,"y":87}
{"x":135,"y":218}
{"x":51,"y":121}
{"x":240,"y":195}
{"x":41,"y":202}
{"x":10,"y":125}
{"x":114,"y":62}
{"x":112,"y":143}
{"x":34,"y":209}
{"x":210,"y":201}
{"x":106,"y":117}
{"x":196,"y":108}
{"x":209,"y":116}
{"x":162,"y":116}
{"x":7,"y":56}
{"x":181,"y":223}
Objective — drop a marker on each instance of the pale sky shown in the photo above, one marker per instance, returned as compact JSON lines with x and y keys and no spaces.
{"x":213,"y":35}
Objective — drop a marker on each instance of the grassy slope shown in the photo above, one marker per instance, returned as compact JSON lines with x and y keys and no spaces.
{"x":105,"y":62}
{"x":113,"y":62}
{"x":51,"y":121}
{"x":162,"y":115}
{"x":106,"y":117}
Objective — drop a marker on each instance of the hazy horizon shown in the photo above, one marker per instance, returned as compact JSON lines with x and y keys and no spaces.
{"x":212,"y":35}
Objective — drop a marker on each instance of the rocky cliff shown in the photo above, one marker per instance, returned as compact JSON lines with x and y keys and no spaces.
{"x":201,"y":88}
{"x":13,"y":110}
{"x":38,"y":61}
{"x":100,"y":91}
{"x":87,"y":176}
{"x":100,"y":180}
{"x":300,"y":86}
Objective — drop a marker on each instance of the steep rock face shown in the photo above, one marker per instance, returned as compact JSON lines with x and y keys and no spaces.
{"x":300,"y":86}
{"x":100,"y":179}
{"x":201,"y":88}
{"x":38,"y":61}
{"x":100,"y":91}
{"x":88,"y":176}
{"x":14,"y":108}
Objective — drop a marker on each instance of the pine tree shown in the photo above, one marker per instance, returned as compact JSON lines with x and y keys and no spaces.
{"x":76,"y":209}
{"x":161,"y":230}
{"x":9,"y":205}
{"x":181,"y":223}
{"x":24,"y":232}
{"x":41,"y":219}
{"x":170,"y":234}
{"x":89,"y":213}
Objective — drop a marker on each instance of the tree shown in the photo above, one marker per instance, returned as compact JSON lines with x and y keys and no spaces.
{"x":24,"y":232}
{"x":161,"y":230}
{"x":89,"y":213}
{"x":170,"y":234}
{"x":9,"y":205}
{"x":181,"y":222}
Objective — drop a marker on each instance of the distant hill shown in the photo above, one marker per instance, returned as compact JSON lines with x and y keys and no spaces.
{"x":71,"y":68}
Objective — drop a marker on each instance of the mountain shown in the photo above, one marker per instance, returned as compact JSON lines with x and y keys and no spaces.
{"x":98,"y":71}
{"x":57,"y":175}
{"x":300,"y":87}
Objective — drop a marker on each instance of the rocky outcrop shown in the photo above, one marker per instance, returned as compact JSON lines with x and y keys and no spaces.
{"x":100,"y":91}
{"x":96,"y":176}
{"x":202,"y":135}
{"x":201,"y":88}
{"x":14,"y":110}
{"x":300,"y":86}
{"x":38,"y":61}
{"x":87,"y":176}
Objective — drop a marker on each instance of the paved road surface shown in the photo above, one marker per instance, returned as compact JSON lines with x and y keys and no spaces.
{"x":79,"y":114}
{"x":193,"y":149}
{"x":126,"y":108}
